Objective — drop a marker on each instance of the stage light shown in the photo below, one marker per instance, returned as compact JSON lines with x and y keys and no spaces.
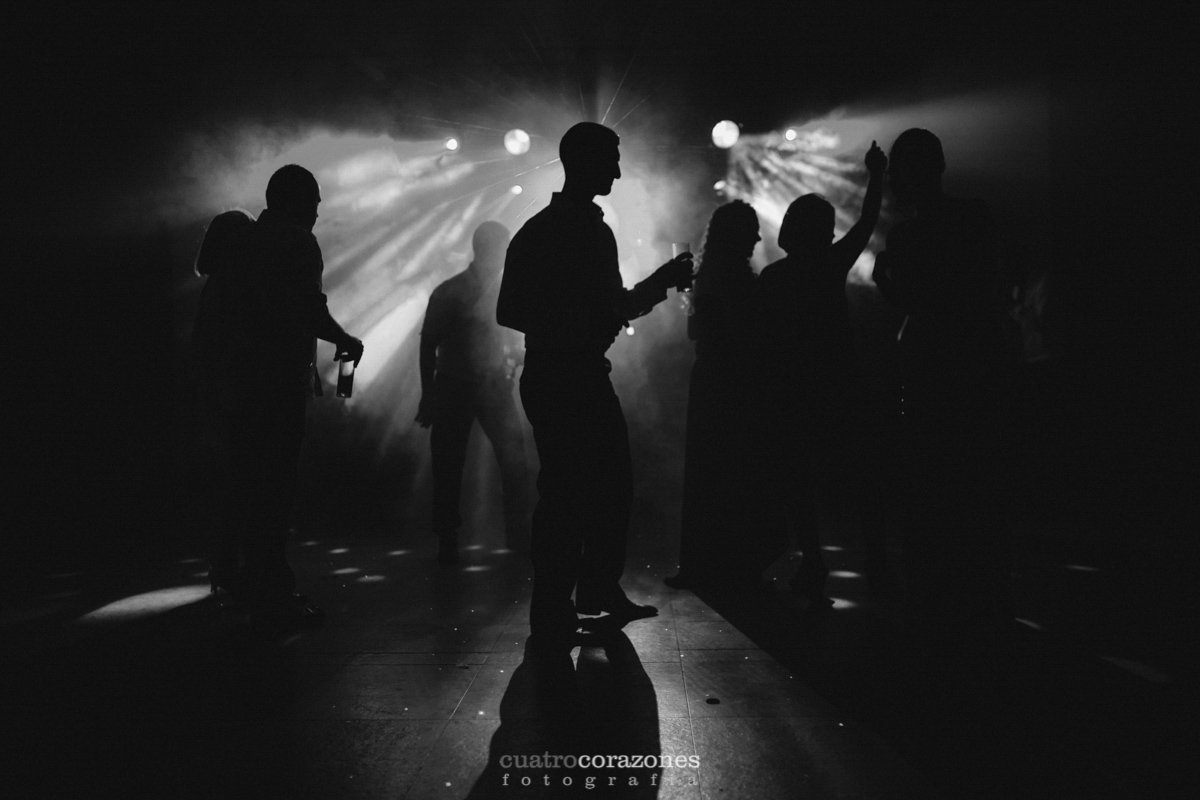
{"x":725,"y":134}
{"x":516,"y":142}
{"x":516,"y":189}
{"x":452,"y":144}
{"x":720,"y":186}
{"x":790,"y":134}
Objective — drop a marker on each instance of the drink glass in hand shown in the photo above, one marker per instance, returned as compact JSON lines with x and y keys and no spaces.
{"x":685,"y":295}
{"x":345,"y":382}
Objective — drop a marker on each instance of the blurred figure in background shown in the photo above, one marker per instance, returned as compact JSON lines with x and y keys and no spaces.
{"x":468,"y":363}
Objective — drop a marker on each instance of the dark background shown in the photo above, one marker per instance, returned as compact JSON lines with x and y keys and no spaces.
{"x":96,"y":98}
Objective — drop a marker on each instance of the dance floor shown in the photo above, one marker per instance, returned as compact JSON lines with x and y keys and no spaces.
{"x":419,"y":686}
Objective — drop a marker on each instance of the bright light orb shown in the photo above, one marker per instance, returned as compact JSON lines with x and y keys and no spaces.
{"x":790,"y":134}
{"x":452,"y":144}
{"x":516,"y":189}
{"x":516,"y":142}
{"x":725,"y":134}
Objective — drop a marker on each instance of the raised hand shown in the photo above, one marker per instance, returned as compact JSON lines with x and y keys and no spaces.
{"x":876,"y":161}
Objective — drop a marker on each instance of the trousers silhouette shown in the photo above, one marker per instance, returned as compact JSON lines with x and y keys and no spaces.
{"x":585,"y":484}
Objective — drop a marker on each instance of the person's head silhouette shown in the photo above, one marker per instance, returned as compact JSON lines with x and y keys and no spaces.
{"x":293,"y":192}
{"x":807,"y":226}
{"x":590,"y":155}
{"x":732,"y":234}
{"x":915,"y":166}
{"x":218,"y":248}
{"x":490,"y":243}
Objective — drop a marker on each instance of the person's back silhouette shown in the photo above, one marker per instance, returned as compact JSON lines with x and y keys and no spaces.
{"x":275,"y":311}
{"x":467,"y":368}
{"x":812,"y":374}
{"x":562,"y":289}
{"x":940,"y":269}
{"x":215,"y":261}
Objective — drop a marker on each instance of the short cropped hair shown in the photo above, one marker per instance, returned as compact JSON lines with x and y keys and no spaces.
{"x":584,"y":141}
{"x":291,"y":186}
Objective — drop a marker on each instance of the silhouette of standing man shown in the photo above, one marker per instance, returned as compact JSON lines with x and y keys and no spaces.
{"x":940,"y":269}
{"x":276,"y":311}
{"x":562,"y":288}
{"x":465,"y":375}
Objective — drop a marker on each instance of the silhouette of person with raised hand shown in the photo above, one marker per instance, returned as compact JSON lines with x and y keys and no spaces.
{"x":940,"y":269}
{"x":562,"y":288}
{"x":718,"y":487}
{"x":467,"y":368}
{"x":812,"y":377}
{"x":274,"y":312}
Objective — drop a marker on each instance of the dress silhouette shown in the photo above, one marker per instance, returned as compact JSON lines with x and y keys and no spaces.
{"x":720,"y":536}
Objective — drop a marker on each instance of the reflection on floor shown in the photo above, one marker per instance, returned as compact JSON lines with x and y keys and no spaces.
{"x":418,"y":686}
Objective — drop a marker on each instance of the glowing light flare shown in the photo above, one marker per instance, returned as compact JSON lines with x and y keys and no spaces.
{"x":450,"y":232}
{"x":818,"y":139}
{"x":769,"y":173}
{"x":516,"y":142}
{"x":146,"y":604}
{"x":790,"y":134}
{"x":360,"y":244}
{"x":418,"y":175}
{"x":725,"y":134}
{"x":452,"y":144}
{"x":1143,"y":671}
{"x":387,"y":337}
{"x":365,"y":167}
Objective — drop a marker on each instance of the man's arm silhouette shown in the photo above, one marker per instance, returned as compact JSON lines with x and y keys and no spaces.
{"x":642,"y":298}
{"x":430,"y":339}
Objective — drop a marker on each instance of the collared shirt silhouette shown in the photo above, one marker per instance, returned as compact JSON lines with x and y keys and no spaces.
{"x":562,"y":288}
{"x":467,"y":367}
{"x":562,"y":284}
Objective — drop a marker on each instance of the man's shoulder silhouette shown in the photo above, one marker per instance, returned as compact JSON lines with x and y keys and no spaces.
{"x":275,"y":243}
